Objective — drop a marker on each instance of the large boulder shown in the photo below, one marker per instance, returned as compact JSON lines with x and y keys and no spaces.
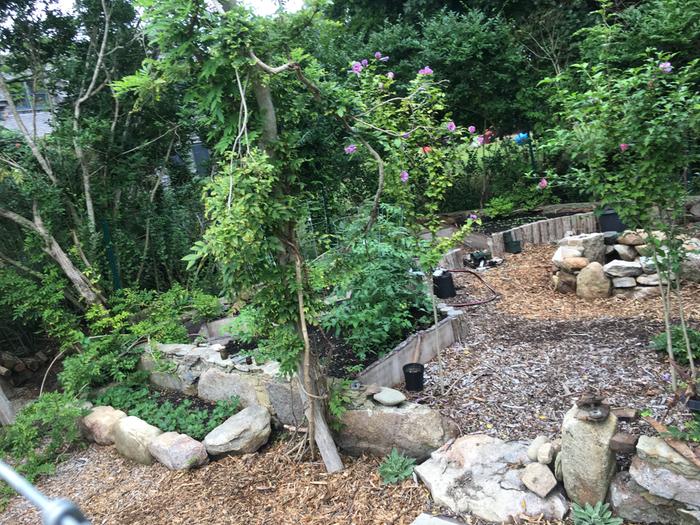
{"x":591,"y":282}
{"x":626,"y":253}
{"x":132,"y":436}
{"x":98,"y":425}
{"x":658,"y":453}
{"x":587,"y":461}
{"x":575,"y":264}
{"x":285,"y":402}
{"x":591,"y":245}
{"x":618,"y":268}
{"x":624,"y":282}
{"x":665,"y":483}
{"x":690,"y":267}
{"x":215,"y":385}
{"x":481,"y":475}
{"x":178,"y":451}
{"x":242,"y":433}
{"x":414,"y":430}
{"x":633,"y":503}
{"x":563,"y":253}
{"x":638,"y":293}
{"x":631,"y":238}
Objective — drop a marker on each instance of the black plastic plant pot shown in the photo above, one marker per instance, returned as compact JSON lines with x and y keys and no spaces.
{"x":610,"y":221}
{"x":444,"y":285}
{"x":514,"y":247}
{"x":693,"y":405}
{"x":413,"y":373}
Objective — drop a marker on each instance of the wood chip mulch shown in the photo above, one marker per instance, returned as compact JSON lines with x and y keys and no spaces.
{"x":530,"y":354}
{"x":264,"y":488}
{"x":524,"y":282}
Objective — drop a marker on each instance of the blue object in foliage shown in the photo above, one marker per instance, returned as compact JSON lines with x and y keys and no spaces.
{"x":521,"y":138}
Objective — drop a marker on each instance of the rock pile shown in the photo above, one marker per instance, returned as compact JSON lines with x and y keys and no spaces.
{"x":661,"y":486}
{"x":135,"y":439}
{"x":495,"y":480}
{"x":598,"y":265}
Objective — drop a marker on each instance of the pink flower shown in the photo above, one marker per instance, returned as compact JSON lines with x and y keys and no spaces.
{"x":451,"y":126}
{"x":624,"y":147}
{"x":665,"y":67}
{"x":427,"y":149}
{"x":425,"y":71}
{"x":356,"y":68}
{"x":377,"y":55}
{"x":350,"y":149}
{"x":473,"y":216}
{"x":543,"y":183}
{"x":390,"y":75}
{"x":480,"y":140}
{"x":404,"y":176}
{"x":471,"y":129}
{"x":365,"y":62}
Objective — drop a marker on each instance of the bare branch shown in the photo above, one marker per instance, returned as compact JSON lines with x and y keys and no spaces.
{"x":269,"y":69}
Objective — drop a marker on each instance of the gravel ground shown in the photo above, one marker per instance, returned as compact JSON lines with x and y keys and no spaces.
{"x":515,"y":378}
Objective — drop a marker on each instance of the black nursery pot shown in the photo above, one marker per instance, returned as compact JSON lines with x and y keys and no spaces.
{"x":444,"y":286}
{"x":693,"y":405}
{"x":610,"y":221}
{"x":413,"y":373}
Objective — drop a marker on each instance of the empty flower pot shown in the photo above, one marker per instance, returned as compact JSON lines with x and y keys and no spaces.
{"x":413,"y":374}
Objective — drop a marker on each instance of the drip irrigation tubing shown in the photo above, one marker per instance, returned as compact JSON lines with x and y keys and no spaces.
{"x":495,"y":295}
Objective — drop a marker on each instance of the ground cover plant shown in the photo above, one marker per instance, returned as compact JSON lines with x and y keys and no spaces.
{"x":152,"y":406}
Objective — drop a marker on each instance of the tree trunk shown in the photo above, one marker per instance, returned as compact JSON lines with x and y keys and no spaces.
{"x":7,"y":413}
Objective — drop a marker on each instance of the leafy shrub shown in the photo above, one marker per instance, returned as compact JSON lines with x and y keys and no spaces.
{"x":377,"y":296}
{"x":101,"y":360}
{"x":42,"y":434}
{"x":396,"y":467}
{"x":678,"y":343}
{"x":597,"y":515}
{"x":499,"y":207}
{"x":141,"y":402}
{"x":112,"y":352}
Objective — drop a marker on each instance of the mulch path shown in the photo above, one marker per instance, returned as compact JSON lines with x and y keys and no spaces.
{"x":263,"y":488}
{"x":530,"y":354}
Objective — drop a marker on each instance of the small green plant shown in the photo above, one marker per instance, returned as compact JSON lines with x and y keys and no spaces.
{"x":396,"y":467}
{"x":680,"y":353}
{"x":596,"y":515}
{"x":690,"y":432}
{"x":42,"y":434}
{"x":499,"y":207}
{"x":139,"y":401}
{"x":338,"y":404}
